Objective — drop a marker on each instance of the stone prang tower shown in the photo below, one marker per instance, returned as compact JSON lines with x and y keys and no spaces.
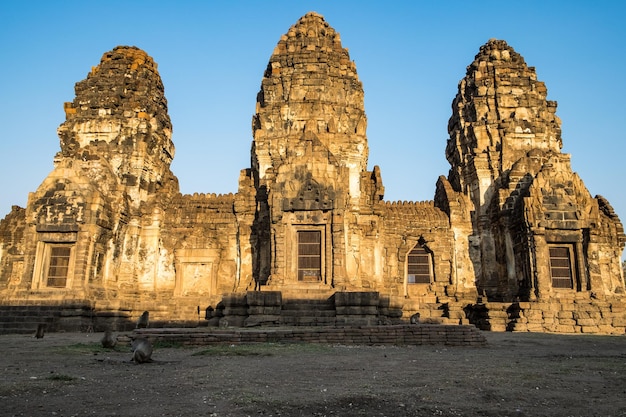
{"x":536,"y":230}
{"x":309,"y":152}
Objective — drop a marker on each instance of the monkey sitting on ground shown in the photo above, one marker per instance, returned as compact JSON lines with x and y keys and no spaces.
{"x":142,"y":323}
{"x":108,"y":341}
{"x":142,"y":350}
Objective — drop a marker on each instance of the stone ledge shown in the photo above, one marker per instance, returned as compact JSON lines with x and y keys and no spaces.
{"x":419,"y":334}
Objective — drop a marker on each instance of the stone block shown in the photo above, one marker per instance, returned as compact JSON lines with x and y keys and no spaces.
{"x":587,"y":322}
{"x":264,"y":298}
{"x":619,"y":321}
{"x":606,"y":329}
{"x":356,"y":298}
{"x":498,"y":327}
{"x":261,"y":320}
{"x":535,"y":327}
{"x":533,"y":314}
{"x":566,"y":314}
{"x":357,"y":310}
{"x":564,"y":328}
{"x":236,"y":311}
{"x":589,"y":329}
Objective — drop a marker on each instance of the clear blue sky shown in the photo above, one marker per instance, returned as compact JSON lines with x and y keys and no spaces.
{"x":410,"y":55}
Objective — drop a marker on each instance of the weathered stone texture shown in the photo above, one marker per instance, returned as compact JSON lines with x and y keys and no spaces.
{"x":119,"y":121}
{"x":311,"y":100}
{"x":308,"y":239}
{"x":504,"y":149}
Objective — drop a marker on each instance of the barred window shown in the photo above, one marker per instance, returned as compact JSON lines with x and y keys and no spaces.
{"x":309,"y":255}
{"x":58,"y":266}
{"x":419,"y":270}
{"x":561,"y":266}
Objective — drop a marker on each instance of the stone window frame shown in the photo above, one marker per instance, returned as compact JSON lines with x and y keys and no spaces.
{"x":307,"y":229}
{"x":42,"y":265}
{"x":431,"y":267}
{"x":574,"y":283}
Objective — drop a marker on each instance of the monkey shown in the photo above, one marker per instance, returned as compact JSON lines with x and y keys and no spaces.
{"x":41,"y":328}
{"x":108,"y":341}
{"x":142,"y":351}
{"x":415,"y":318}
{"x":142,"y":323}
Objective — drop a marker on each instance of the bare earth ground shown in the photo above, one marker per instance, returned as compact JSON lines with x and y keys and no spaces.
{"x":517,"y":374}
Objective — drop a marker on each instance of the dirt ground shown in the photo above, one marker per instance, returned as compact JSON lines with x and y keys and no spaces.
{"x":516,"y":374}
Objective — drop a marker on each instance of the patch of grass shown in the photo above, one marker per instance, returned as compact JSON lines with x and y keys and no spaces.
{"x":61,"y":377}
{"x":163,"y":344}
{"x":230,"y":350}
{"x":262,"y":349}
{"x":86,"y":348}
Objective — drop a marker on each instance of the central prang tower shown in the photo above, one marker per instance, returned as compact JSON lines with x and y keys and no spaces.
{"x":309,"y":154}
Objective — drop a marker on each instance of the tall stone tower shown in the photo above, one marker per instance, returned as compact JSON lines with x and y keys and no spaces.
{"x":87,"y":221}
{"x":535,"y":227}
{"x":309,"y":151}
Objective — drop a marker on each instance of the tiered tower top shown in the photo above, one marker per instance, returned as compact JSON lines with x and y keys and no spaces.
{"x":118,"y":125}
{"x":500,"y":112}
{"x":310,"y":89}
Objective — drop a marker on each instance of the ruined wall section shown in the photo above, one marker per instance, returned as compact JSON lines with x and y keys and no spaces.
{"x":610,"y":240}
{"x":405,"y":225}
{"x":200,"y":234}
{"x":205,"y":245}
{"x":12,"y":229}
{"x":466,"y":265}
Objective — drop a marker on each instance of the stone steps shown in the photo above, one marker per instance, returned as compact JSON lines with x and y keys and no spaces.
{"x":307,"y":312}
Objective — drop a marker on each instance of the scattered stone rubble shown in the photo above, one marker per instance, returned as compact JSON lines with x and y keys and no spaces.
{"x":513,"y":240}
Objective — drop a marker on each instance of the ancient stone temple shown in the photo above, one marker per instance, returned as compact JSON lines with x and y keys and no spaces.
{"x":513,"y":240}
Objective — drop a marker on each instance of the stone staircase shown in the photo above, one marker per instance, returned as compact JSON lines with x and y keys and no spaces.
{"x":313,"y":307}
{"x":303,"y":312}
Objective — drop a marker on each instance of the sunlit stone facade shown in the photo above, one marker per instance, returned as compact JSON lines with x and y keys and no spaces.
{"x":512,"y":240}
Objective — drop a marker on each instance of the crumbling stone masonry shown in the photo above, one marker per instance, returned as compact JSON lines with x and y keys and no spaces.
{"x":513,"y":239}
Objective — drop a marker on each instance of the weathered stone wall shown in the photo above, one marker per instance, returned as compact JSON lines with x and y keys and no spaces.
{"x":12,"y":247}
{"x":426,"y":334}
{"x":210,"y":253}
{"x":407,"y":224}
